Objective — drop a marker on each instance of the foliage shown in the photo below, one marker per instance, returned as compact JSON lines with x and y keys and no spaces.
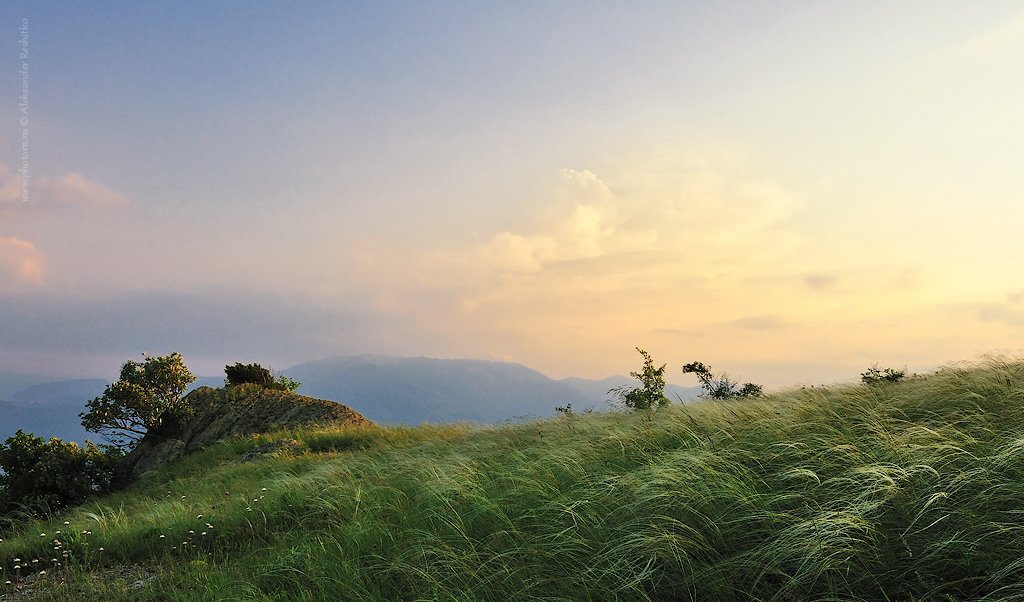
{"x":650,"y":393}
{"x":874,"y":376}
{"x":720,"y":387}
{"x":139,"y":399}
{"x":284,"y":383}
{"x":41,"y":477}
{"x":247,"y":373}
{"x":256,"y":374}
{"x":831,"y":493}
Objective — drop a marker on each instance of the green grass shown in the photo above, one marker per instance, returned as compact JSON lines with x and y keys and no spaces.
{"x":912,"y":491}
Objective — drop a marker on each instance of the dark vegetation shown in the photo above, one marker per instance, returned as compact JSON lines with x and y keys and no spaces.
{"x":240,"y":374}
{"x":876,"y":376}
{"x":651,"y":392}
{"x":40,"y":477}
{"x":247,"y":373}
{"x":720,"y":387}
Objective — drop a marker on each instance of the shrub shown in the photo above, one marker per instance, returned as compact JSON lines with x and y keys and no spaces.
{"x":142,"y":397}
{"x":256,"y":374}
{"x":247,"y":373}
{"x":651,"y":393}
{"x":42,"y":477}
{"x":874,"y":376}
{"x":286,"y":384}
{"x":720,"y":387}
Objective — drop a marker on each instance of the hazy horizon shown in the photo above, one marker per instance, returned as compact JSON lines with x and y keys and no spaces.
{"x":19,"y":382}
{"x":790,"y":192}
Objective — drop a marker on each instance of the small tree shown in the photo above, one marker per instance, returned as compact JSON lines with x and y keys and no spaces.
{"x":874,"y":376}
{"x":651,"y":393}
{"x":720,"y":387}
{"x":139,"y":399}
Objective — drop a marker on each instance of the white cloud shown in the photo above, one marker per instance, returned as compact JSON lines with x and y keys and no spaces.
{"x":10,"y":185}
{"x":54,"y":207}
{"x":674,"y":208}
{"x":584,"y":221}
{"x":516,"y":253}
{"x":22,"y":265}
{"x":75,"y":189}
{"x":70,"y":190}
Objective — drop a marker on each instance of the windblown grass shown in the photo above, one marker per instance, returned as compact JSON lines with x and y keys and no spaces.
{"x":912,"y":491}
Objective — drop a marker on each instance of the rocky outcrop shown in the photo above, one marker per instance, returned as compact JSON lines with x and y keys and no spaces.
{"x":220,"y":414}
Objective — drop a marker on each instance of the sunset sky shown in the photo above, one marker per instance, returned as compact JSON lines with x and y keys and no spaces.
{"x":790,"y":191}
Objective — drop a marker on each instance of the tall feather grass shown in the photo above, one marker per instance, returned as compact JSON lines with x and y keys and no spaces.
{"x":907,"y":491}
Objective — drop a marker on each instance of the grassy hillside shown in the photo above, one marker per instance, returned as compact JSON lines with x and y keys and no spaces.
{"x":912,"y":491}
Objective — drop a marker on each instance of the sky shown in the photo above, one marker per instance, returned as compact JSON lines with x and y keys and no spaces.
{"x":788,"y":191}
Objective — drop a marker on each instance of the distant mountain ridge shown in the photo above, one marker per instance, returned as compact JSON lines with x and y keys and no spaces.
{"x":386,"y":389}
{"x":411,"y":390}
{"x":51,"y":409}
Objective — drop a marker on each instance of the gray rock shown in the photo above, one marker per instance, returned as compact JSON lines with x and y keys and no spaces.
{"x":239,"y":411}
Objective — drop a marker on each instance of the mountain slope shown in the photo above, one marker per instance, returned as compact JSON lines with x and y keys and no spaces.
{"x":51,"y":410}
{"x":62,"y":392}
{"x":414,"y":390}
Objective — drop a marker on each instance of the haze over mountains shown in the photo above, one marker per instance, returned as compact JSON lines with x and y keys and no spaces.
{"x":397,"y":390}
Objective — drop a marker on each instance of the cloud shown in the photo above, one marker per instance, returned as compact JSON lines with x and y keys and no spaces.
{"x":770,"y":322}
{"x":604,"y":259}
{"x":646,"y":223}
{"x":583,"y":223}
{"x":22,"y":265}
{"x":71,"y":189}
{"x":10,"y":185}
{"x":820,"y":282}
{"x":52,"y":208}
{"x":996,"y":312}
{"x":222,"y":327}
{"x":75,"y":189}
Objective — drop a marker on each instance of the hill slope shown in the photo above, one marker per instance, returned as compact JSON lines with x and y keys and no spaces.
{"x":910,"y":491}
